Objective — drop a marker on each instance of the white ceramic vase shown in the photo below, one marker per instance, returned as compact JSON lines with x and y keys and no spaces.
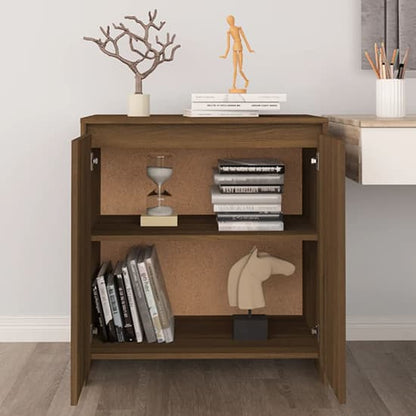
{"x":139,"y":105}
{"x":390,"y":98}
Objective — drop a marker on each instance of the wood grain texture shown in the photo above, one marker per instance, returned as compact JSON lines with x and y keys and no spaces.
{"x":197,"y":260}
{"x":12,"y":361}
{"x":332,"y":278}
{"x":220,"y":137}
{"x":209,"y":387}
{"x":393,"y":381}
{"x":45,"y":370}
{"x":360,"y":120}
{"x":351,"y":135}
{"x":172,"y":119}
{"x":81,"y":266}
{"x":209,"y":337}
{"x":310,"y":283}
{"x":196,"y":227}
{"x":156,"y":132}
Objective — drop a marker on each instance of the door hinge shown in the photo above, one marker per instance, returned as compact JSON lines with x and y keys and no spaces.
{"x":315,"y":331}
{"x":315,"y":160}
{"x":93,"y":331}
{"x":93,"y":161}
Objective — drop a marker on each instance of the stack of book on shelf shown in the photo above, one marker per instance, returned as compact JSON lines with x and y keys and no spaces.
{"x":234,"y":105}
{"x":131,"y":301}
{"x":247,"y":194}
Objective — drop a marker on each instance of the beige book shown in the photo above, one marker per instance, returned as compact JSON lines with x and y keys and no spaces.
{"x":156,"y":221}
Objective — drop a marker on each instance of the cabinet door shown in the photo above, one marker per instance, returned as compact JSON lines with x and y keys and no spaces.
{"x":332,"y":262}
{"x":81,"y":256}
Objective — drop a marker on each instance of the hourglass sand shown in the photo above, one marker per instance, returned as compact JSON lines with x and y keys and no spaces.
{"x":159,"y":175}
{"x":159,"y":170}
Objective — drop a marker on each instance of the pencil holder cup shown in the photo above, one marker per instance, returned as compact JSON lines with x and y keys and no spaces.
{"x":390,"y":98}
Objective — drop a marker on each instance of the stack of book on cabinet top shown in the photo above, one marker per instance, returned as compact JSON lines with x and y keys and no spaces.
{"x":247,"y":194}
{"x":234,"y":105}
{"x":131,"y":301}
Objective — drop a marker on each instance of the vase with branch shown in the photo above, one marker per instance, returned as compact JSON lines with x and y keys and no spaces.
{"x":142,"y":53}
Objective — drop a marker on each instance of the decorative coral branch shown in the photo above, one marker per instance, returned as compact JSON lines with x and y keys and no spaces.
{"x":158,"y":56}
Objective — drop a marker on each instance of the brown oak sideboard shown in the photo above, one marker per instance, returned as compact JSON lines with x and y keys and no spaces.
{"x":109,"y":188}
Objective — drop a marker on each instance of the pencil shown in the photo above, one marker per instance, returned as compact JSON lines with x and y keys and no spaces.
{"x":400,"y":72}
{"x":376,"y":55}
{"x":405,"y":59}
{"x":370,"y":61}
{"x":380,"y":62}
{"x":392,"y":62}
{"x":383,"y":52}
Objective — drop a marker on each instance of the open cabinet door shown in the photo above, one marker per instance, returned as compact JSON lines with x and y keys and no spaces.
{"x":332,"y":275}
{"x":81,"y":257}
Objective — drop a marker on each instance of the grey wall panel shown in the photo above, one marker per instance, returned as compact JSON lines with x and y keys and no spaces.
{"x":391,"y":30}
{"x":372,"y":27}
{"x":407,"y":30}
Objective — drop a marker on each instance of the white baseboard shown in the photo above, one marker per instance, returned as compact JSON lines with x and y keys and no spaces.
{"x":381,"y":328}
{"x":34,"y":328}
{"x":57,"y":328}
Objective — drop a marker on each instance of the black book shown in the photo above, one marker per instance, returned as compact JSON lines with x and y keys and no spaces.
{"x":105,"y":302}
{"x":98,"y":318}
{"x":250,"y":166}
{"x":125,"y":309}
{"x":115,"y":307}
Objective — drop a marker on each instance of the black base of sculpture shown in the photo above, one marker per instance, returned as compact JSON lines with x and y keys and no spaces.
{"x":250,"y":327}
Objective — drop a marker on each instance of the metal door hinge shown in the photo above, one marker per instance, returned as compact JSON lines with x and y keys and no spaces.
{"x":93,"y":161}
{"x":315,"y":330}
{"x":93,"y":331}
{"x":315,"y":161}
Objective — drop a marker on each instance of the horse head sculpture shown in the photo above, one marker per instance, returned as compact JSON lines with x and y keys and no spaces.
{"x":247,"y":275}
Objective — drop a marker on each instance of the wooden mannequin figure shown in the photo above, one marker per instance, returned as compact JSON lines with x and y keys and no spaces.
{"x":236,"y":33}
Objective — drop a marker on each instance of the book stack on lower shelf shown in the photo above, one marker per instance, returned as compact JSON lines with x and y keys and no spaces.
{"x":131,"y":301}
{"x":247,"y":194}
{"x":234,"y":105}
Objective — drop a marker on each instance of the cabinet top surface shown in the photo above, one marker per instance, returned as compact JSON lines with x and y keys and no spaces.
{"x":181,"y":120}
{"x":373,"y":121}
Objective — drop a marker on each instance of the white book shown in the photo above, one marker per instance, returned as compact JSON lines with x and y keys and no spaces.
{"x":248,"y":178}
{"x":132,"y":303}
{"x":242,"y":106}
{"x":210,"y":113}
{"x":102,"y":290}
{"x":263,"y":208}
{"x":250,"y":226}
{"x":162,"y":298}
{"x":217,"y":197}
{"x":204,"y":97}
{"x":139,"y":295}
{"x":150,"y":296}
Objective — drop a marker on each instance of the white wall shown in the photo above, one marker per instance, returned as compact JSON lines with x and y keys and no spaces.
{"x":50,"y":77}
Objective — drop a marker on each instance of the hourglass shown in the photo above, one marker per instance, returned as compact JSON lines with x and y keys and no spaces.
{"x":159,"y":211}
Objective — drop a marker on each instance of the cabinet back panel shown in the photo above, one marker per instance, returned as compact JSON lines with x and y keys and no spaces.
{"x":124,"y":184}
{"x":196,"y":274}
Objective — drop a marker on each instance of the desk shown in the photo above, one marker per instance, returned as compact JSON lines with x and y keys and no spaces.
{"x":378,"y":151}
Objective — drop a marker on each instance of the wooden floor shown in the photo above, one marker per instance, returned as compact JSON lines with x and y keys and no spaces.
{"x":34,"y":380}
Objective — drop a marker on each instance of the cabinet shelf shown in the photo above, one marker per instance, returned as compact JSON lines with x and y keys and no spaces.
{"x":125,"y":227}
{"x":203,"y":337}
